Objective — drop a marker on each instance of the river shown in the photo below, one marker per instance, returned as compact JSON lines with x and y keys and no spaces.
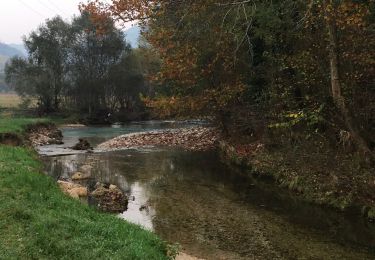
{"x":211,"y":210}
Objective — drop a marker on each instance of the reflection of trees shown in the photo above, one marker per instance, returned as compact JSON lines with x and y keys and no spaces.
{"x":196,"y":201}
{"x":63,"y":166}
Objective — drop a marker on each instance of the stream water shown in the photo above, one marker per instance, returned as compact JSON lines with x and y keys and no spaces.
{"x":212,"y":211}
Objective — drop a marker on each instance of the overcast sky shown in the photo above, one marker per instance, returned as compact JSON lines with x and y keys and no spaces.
{"x":20,"y":17}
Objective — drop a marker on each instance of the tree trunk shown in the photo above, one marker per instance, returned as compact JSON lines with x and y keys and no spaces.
{"x":335,"y":79}
{"x":334,"y":63}
{"x":56,"y":95}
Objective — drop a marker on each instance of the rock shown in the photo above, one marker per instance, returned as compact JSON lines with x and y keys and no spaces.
{"x":99,"y":192}
{"x":81,"y":176}
{"x":145,"y":207}
{"x":78,"y":192}
{"x":55,"y":136}
{"x":110,"y":199}
{"x":43,"y":134}
{"x":183,"y":256}
{"x":113,"y":187}
{"x":102,"y":185}
{"x":82,"y":145}
{"x":72,"y":189}
{"x":66,"y":186}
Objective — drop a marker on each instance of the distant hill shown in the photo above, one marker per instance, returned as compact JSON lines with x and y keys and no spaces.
{"x":132,"y":36}
{"x":6,"y":52}
{"x":20,"y":47}
{"x":10,"y":50}
{"x":3,"y":60}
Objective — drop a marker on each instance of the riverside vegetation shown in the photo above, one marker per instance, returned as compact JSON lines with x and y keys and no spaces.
{"x":290,"y":84}
{"x":39,"y":221}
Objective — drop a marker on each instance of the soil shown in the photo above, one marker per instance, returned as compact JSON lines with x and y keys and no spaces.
{"x":10,"y":139}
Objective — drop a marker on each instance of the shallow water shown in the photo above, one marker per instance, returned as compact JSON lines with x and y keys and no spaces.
{"x":215,"y":212}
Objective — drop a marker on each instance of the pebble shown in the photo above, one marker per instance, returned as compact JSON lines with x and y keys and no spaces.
{"x":195,"y":138}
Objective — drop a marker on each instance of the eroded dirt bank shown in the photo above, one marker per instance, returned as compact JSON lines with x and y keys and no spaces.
{"x":37,"y":134}
{"x":43,"y":134}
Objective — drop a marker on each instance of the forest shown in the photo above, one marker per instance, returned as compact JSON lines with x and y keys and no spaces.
{"x":300,"y":70}
{"x":303,"y":69}
{"x":290,"y":84}
{"x":291,"y":72}
{"x":251,"y":65}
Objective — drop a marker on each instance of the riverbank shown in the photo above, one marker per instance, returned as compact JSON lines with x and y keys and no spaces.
{"x":322,"y":177}
{"x":192,"y":138}
{"x":214,"y":211}
{"x":38,"y":221}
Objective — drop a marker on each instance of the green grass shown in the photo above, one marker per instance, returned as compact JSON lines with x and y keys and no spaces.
{"x":17,"y":124}
{"x":37,"y":221}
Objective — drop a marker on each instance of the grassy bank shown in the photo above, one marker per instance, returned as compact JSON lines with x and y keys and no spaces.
{"x":315,"y":174}
{"x":37,"y":221}
{"x":17,"y":124}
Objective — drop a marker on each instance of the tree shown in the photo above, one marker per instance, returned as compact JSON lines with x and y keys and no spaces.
{"x":30,"y":80}
{"x":127,"y":82}
{"x":221,"y":57}
{"x":336,"y":13}
{"x":78,"y":66}
{"x":92,"y":56}
{"x":48,"y":49}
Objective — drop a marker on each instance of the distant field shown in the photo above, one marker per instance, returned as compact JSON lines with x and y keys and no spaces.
{"x":9,"y":100}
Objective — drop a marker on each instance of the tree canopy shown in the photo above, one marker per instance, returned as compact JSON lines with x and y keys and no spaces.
{"x":75,"y":66}
{"x":255,"y":63}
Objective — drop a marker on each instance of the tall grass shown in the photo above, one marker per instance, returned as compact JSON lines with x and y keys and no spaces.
{"x":37,"y":221}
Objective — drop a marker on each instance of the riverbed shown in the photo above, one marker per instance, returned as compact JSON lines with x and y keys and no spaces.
{"x":211,"y":210}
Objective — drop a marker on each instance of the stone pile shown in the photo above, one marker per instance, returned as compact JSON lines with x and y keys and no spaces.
{"x":194,"y":138}
{"x":43,"y":134}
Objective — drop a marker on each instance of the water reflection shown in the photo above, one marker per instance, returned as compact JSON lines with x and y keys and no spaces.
{"x":217,"y":213}
{"x":139,"y":211}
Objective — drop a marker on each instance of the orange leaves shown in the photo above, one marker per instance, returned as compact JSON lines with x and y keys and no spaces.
{"x":355,"y":38}
{"x":120,"y":10}
{"x":351,"y":14}
{"x":166,"y":107}
{"x":345,"y":14}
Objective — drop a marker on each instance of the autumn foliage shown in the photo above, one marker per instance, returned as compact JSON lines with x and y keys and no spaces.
{"x":245,"y":60}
